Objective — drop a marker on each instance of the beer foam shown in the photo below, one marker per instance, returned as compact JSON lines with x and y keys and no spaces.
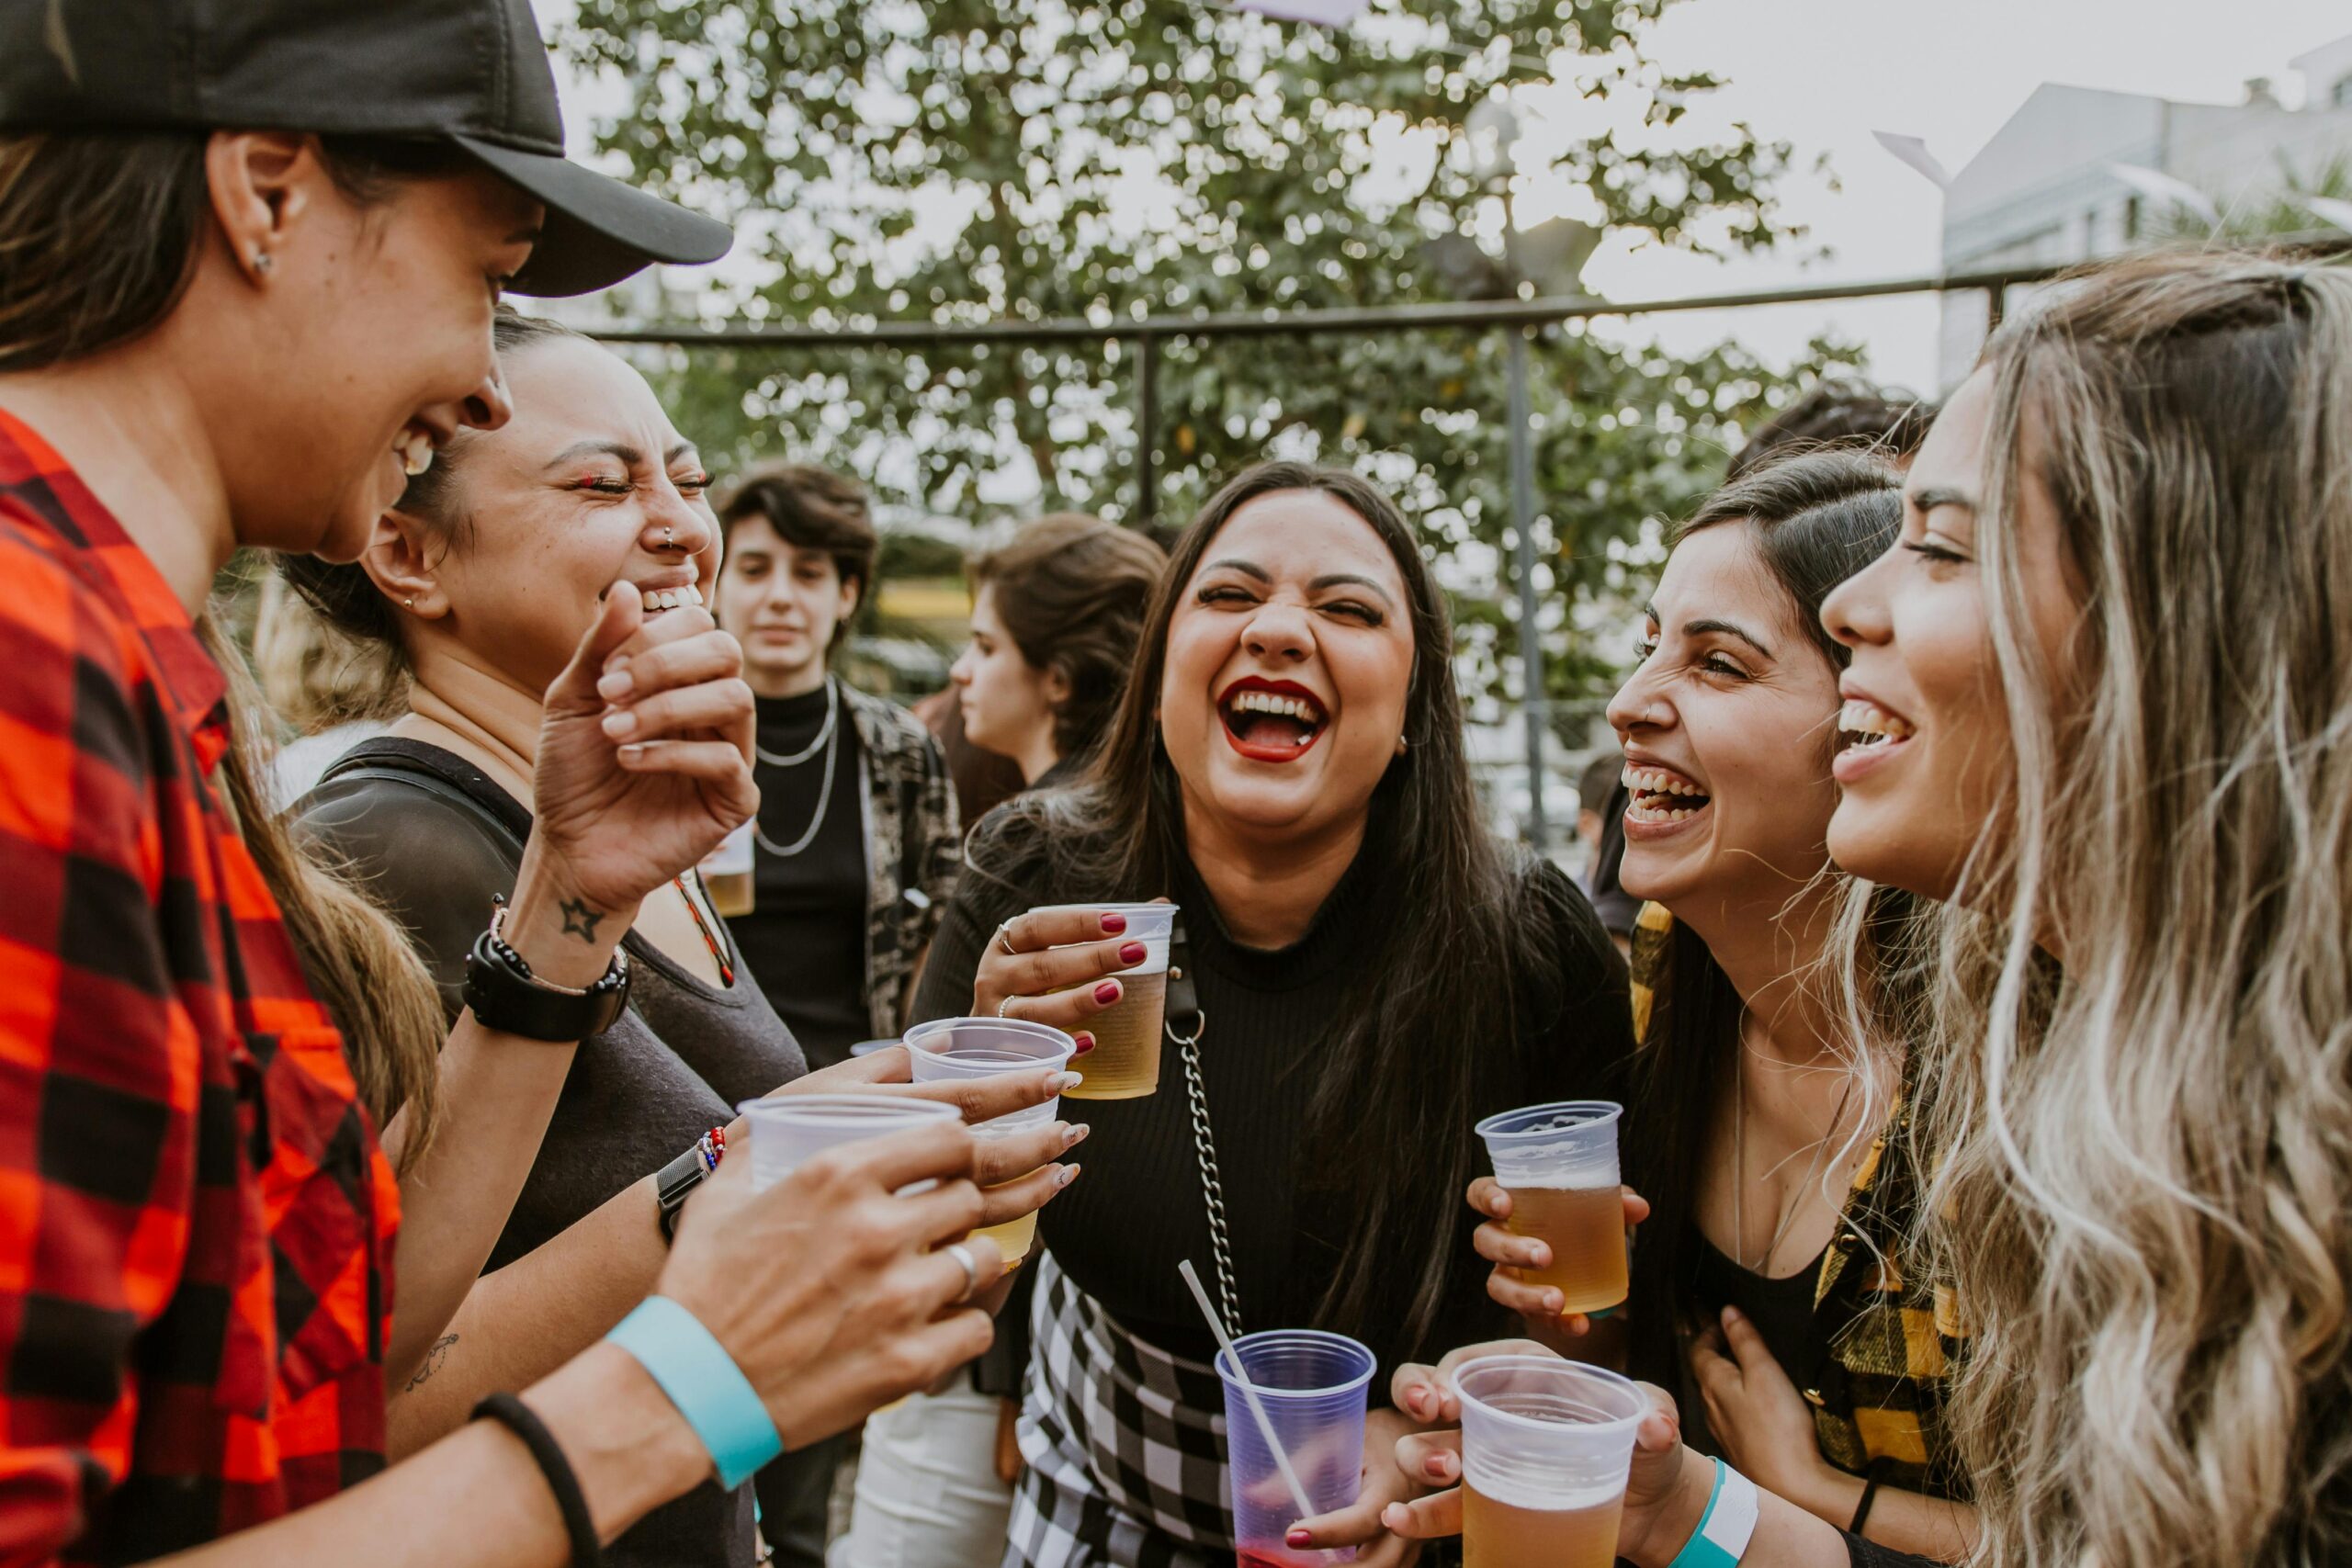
{"x":1569,"y":1146}
{"x":1523,"y":1481}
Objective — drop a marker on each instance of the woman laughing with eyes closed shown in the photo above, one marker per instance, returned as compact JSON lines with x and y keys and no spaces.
{"x":1372,"y":973}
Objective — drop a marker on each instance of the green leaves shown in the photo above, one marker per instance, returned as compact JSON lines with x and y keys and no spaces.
{"x":952,"y":161}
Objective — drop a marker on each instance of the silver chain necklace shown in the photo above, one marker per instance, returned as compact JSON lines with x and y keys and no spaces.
{"x":1739,"y":1164}
{"x":829,"y":736}
{"x":825,"y":734}
{"x":1187,"y":1050}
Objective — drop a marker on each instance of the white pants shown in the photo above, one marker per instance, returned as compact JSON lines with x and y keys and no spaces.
{"x":927,"y":1491}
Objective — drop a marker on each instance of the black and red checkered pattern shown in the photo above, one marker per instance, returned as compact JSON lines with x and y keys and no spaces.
{"x":195,"y":1221}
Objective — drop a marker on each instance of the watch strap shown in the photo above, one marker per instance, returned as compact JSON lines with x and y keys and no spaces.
{"x":505,"y":995}
{"x":676,"y":1184}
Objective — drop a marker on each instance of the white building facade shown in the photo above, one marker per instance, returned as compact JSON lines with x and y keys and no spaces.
{"x":2041,"y":194}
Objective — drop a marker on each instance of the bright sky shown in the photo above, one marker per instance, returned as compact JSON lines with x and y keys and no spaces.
{"x":1825,"y":73}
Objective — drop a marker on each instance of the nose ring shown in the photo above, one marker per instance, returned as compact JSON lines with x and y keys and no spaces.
{"x":669,"y":538}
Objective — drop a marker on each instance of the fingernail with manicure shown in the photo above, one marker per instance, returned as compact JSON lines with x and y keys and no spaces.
{"x":618,"y":725}
{"x":617,"y":683}
{"x":1075,"y":1134}
{"x":1107,"y":992}
{"x":1133,"y":953}
{"x":1068,"y":1174}
{"x":1114,"y":922}
{"x":1061,"y":1081}
{"x":1299,"y":1538}
{"x":1085,"y":1044}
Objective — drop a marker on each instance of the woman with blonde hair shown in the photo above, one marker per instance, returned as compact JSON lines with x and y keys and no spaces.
{"x":2099,"y":704}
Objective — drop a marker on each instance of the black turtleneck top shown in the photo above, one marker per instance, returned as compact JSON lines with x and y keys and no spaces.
{"x":1137,"y":1209}
{"x":805,"y":938}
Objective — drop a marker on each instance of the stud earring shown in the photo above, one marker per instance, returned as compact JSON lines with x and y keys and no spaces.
{"x":1400,"y":745}
{"x":264,"y":261}
{"x":412,"y":602}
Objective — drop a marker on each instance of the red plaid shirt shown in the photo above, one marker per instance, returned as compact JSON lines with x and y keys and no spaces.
{"x":196,"y":1221}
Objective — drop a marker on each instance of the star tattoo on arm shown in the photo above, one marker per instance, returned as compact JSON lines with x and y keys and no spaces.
{"x":580,"y":920}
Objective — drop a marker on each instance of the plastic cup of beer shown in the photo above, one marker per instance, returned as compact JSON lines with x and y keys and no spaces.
{"x":1312,"y":1385}
{"x":984,"y":1047}
{"x":1124,"y":1062}
{"x":1547,"y":1445}
{"x":1559,"y":1164}
{"x":789,"y":1128}
{"x":726,"y":873}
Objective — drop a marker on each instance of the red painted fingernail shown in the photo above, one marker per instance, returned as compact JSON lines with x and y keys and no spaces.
{"x":1300,"y":1538}
{"x":1107,"y":992}
{"x":1085,"y":1044}
{"x":1133,"y":953}
{"x":1114,"y":922}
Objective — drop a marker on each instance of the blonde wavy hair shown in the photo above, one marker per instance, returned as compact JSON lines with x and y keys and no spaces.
{"x":2144,"y":1189}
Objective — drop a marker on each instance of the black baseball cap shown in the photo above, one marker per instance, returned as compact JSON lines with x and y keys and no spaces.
{"x":471,"y":73}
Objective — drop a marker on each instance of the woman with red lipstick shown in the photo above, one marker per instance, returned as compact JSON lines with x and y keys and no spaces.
{"x":1770,"y":1150}
{"x":1373,"y":972}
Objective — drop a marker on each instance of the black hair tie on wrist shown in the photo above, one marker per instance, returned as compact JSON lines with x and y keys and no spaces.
{"x":517,"y":1417}
{"x":1870,"y":1495}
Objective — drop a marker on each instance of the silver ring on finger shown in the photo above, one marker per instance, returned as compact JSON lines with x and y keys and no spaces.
{"x":963,"y":1255}
{"x":1003,"y":1009}
{"x":1004,"y":940}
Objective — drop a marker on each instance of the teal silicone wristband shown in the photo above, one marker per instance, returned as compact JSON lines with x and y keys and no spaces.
{"x":702,"y":1381}
{"x":1699,"y":1551}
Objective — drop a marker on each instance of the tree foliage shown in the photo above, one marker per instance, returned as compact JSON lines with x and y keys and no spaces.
{"x":952,"y":161}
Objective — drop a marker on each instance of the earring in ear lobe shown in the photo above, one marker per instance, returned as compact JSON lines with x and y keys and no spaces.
{"x":263,"y":262}
{"x":1400,"y":745}
{"x":412,"y":602}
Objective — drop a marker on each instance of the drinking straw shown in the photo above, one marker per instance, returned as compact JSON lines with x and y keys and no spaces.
{"x":1249,"y":1390}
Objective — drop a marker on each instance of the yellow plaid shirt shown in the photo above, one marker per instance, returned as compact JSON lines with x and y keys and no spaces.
{"x":1878,"y":1399}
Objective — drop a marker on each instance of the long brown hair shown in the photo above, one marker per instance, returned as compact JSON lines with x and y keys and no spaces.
{"x":1072,"y":590}
{"x":1465,"y":940}
{"x":98,"y":239}
{"x":1816,"y":519}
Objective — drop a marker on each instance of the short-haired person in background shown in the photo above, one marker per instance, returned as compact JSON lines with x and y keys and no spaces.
{"x":1853,"y":416}
{"x":856,"y":842}
{"x":1056,"y":614}
{"x":214,"y":337}
{"x":1055,"y":611}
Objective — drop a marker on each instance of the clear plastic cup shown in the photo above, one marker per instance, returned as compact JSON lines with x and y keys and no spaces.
{"x":984,"y":1047}
{"x":1547,"y":1445}
{"x":1124,"y":1062}
{"x":789,"y":1128}
{"x":1312,"y":1385}
{"x":1559,"y":1164}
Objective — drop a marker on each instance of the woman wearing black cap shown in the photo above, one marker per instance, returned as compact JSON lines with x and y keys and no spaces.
{"x":214,"y":336}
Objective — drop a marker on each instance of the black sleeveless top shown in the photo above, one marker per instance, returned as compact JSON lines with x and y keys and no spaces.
{"x":674,"y":1067}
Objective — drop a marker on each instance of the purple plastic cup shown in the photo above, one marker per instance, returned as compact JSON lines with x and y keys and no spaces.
{"x":1312,"y":1385}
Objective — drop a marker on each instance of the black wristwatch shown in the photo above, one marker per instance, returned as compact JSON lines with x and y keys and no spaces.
{"x":676,"y":1184}
{"x":505,"y":995}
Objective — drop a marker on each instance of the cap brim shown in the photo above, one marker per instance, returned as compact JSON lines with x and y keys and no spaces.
{"x":598,"y":230}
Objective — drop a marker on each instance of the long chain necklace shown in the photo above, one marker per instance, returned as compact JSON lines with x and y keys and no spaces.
{"x":824,"y":735}
{"x":1739,"y":1163}
{"x":829,"y":737}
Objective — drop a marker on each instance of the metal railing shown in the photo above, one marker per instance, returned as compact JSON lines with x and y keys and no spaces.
{"x":1145,"y":334}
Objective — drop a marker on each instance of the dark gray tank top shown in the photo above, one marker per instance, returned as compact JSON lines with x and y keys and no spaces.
{"x":435,"y":838}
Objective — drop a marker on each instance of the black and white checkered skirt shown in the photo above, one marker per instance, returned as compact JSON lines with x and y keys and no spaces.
{"x":1125,"y":1446}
